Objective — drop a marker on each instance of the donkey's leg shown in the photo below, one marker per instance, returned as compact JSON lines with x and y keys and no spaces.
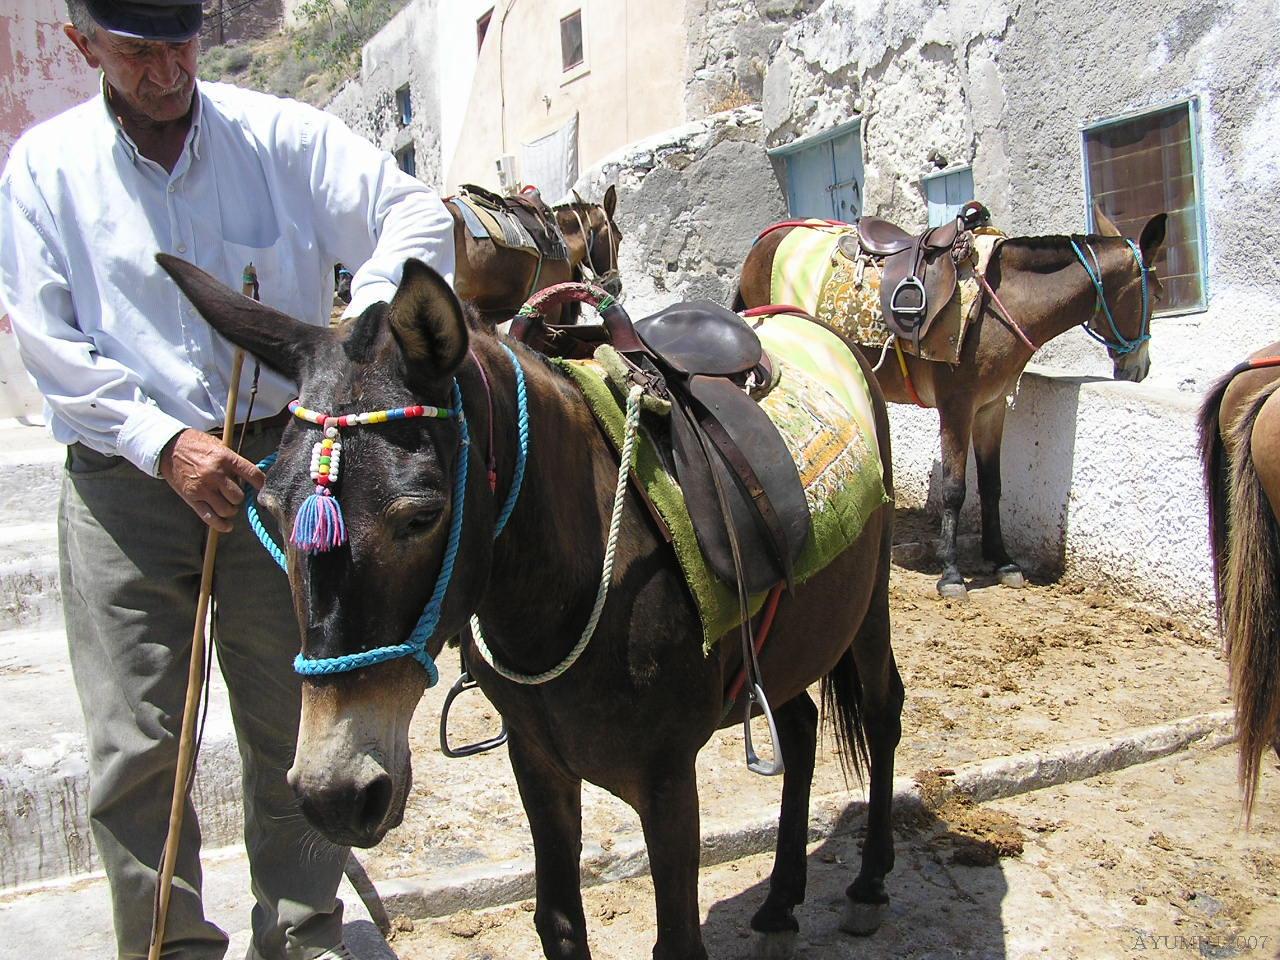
{"x":553,"y":803}
{"x":957,"y":425}
{"x":988,"y":432}
{"x":880,"y":706}
{"x":668,"y":811}
{"x":775,"y":922}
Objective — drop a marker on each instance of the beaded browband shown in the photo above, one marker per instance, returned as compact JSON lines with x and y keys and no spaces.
{"x":319,"y":525}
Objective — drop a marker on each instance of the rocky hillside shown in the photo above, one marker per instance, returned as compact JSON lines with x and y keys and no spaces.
{"x":309,"y":62}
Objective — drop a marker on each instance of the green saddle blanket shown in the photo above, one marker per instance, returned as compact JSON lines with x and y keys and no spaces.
{"x":822,"y":407}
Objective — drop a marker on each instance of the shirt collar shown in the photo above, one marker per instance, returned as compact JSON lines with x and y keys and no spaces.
{"x":126,"y":142}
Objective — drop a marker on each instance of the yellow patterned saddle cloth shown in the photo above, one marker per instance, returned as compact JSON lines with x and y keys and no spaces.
{"x":820,"y":404}
{"x":817,"y":269}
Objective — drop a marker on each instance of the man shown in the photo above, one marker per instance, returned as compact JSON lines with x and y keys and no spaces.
{"x":134,"y":379}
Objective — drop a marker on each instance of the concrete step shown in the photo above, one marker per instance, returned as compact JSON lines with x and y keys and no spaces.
{"x":73,"y":918}
{"x":44,"y":784}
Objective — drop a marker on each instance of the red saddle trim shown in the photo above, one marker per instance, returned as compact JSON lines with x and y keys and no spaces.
{"x":799,"y":223}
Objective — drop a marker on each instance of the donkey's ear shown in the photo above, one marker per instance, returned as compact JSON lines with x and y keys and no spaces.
{"x":278,"y":340}
{"x":578,"y":199}
{"x":1153,"y":236}
{"x":427,"y":321}
{"x":1104,"y":224}
{"x":610,"y":200}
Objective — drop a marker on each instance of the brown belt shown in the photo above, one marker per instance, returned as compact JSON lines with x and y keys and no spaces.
{"x":255,"y":427}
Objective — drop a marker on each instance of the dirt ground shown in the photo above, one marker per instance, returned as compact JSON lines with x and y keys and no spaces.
{"x":1147,"y":862}
{"x":1010,"y":670}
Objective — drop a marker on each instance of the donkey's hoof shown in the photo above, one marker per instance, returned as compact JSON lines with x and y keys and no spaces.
{"x":1011,"y":576}
{"x":953,"y":591}
{"x":862,"y":919}
{"x":780,"y":945}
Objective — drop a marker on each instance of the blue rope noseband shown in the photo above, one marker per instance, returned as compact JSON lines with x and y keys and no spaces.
{"x":1121,"y":344}
{"x":416,"y":645}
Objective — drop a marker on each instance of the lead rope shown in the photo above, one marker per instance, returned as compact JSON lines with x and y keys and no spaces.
{"x":606,"y":574}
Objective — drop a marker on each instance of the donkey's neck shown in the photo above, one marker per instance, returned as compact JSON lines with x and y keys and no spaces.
{"x":547,"y":563}
{"x":1047,"y":290}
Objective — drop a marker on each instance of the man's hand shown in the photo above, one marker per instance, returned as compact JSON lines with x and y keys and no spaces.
{"x":207,"y":476}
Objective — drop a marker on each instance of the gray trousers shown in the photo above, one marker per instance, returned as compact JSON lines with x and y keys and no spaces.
{"x":131,"y":555}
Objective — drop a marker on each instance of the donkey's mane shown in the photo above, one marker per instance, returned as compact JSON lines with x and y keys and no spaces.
{"x":363,"y":334}
{"x":1042,"y":253}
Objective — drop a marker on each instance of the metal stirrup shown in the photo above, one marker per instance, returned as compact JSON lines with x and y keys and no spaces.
{"x":460,"y":686}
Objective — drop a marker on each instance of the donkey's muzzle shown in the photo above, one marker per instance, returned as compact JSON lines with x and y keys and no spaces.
{"x":348,"y":813}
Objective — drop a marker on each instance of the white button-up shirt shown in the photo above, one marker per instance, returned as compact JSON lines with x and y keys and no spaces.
{"x":123,"y":360}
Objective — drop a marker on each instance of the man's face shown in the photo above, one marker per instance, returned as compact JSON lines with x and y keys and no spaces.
{"x":156,"y":79}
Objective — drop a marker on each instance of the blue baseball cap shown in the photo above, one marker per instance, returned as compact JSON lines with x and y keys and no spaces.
{"x":173,"y":21}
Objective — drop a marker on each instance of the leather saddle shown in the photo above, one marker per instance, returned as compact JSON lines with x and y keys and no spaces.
{"x":533,"y":215}
{"x":918,"y":272}
{"x":739,"y":481}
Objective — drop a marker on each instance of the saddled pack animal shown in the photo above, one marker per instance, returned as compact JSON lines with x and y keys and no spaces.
{"x":508,"y":248}
{"x":1240,"y":449}
{"x":469,"y":462}
{"x":963,"y":311}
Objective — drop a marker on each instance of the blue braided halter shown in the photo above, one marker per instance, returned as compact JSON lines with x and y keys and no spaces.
{"x":416,"y":645}
{"x":1121,"y":344}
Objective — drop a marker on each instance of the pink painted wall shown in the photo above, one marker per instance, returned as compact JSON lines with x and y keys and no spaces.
{"x":41,"y":74}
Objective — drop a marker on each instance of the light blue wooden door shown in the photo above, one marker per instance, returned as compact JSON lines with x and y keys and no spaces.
{"x":825,"y":180}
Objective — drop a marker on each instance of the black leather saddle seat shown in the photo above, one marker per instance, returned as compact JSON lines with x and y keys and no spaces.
{"x":701,"y":338}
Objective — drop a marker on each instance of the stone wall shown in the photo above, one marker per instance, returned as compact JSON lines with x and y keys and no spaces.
{"x":690,"y":203}
{"x":227,"y":21}
{"x":1006,"y":86}
{"x":729,"y":45}
{"x":403,"y":52}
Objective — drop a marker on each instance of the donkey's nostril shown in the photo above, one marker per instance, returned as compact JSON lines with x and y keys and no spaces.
{"x":372,"y":805}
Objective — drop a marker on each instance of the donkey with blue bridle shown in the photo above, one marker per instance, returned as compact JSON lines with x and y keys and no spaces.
{"x":476,"y":487}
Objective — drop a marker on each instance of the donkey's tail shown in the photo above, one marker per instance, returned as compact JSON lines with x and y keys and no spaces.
{"x":842,"y":703}
{"x":1216,"y":479}
{"x":1251,"y":603}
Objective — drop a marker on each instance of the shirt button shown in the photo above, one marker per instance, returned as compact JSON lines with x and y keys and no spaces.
{"x":171,"y":188}
{"x":182,"y":248}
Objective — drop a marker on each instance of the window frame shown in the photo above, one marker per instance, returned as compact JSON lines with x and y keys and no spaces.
{"x":787,"y":150}
{"x":942,"y":175}
{"x":576,"y":70}
{"x":483,"y":23}
{"x":404,"y":107}
{"x":1192,"y":105}
{"x":410,"y":150}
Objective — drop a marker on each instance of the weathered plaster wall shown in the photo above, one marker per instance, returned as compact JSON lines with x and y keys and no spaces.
{"x":690,"y":203}
{"x":1007,"y":86}
{"x":729,"y":46}
{"x":41,"y":74}
{"x":404,"y":51}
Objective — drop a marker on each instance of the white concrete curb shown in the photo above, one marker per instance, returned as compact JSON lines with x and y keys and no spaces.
{"x":496,"y":884}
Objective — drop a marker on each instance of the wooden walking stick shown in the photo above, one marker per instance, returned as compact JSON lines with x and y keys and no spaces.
{"x":195,"y":676}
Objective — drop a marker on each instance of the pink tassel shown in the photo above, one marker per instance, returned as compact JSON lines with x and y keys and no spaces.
{"x":319,"y":526}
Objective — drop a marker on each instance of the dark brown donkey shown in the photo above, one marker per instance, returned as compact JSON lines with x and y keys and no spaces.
{"x":1046,"y":290}
{"x":632,"y":713}
{"x":1240,"y":447}
{"x":498,"y":280}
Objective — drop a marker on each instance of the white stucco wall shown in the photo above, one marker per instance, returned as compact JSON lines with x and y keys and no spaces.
{"x":403,"y":52}
{"x":456,"y":54}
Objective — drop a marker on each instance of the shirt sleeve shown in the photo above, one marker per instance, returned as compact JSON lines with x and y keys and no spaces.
{"x":372,"y":214}
{"x":101,"y":399}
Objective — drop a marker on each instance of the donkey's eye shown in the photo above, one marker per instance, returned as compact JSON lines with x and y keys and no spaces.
{"x":412,"y":518}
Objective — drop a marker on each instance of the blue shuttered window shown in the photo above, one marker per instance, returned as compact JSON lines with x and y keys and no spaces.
{"x":824,"y":174}
{"x":946,"y":193}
